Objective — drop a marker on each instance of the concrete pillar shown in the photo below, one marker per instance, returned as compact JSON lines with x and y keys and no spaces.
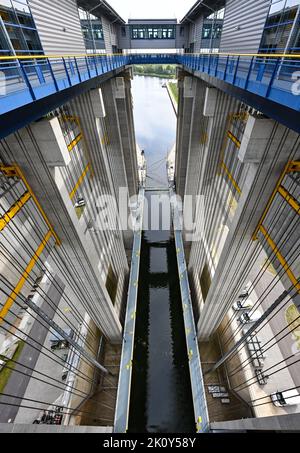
{"x":120,"y":140}
{"x":91,"y":111}
{"x":265,"y":150}
{"x":204,"y":178}
{"x":187,"y":92}
{"x":123,"y":99}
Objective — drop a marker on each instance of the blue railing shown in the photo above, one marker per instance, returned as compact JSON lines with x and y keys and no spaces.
{"x":269,"y":76}
{"x":24,"y":80}
{"x":28,"y":79}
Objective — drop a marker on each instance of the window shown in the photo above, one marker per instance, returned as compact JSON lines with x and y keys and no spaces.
{"x":277,"y":33}
{"x":153,"y":31}
{"x":20,"y":28}
{"x":206,"y":32}
{"x":92,"y":31}
{"x":123,"y":31}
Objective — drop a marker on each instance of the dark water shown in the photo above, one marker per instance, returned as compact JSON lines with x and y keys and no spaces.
{"x":155,"y":125}
{"x":161,"y":398}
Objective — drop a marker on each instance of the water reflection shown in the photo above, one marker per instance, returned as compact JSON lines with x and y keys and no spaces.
{"x":161,"y":399}
{"x":155,"y":125}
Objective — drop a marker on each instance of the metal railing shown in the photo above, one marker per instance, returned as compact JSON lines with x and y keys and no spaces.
{"x":270,"y":76}
{"x":25,"y":79}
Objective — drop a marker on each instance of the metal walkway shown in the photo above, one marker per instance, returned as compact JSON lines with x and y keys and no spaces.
{"x":24,"y":80}
{"x":123,"y":396}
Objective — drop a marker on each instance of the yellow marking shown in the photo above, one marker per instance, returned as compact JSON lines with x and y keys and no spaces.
{"x":16,"y":171}
{"x":231,"y":178}
{"x":129,"y":365}
{"x":280,"y":258}
{"x":222,"y":54}
{"x":15,"y":208}
{"x":79,"y":182}
{"x":75,"y":142}
{"x":133,"y":315}
{"x":9,"y":172}
{"x":289,"y":168}
{"x":294,"y":166}
{"x":203,"y":138}
{"x":105,"y":140}
{"x":240,"y":116}
{"x":11,"y":299}
{"x":289,"y":199}
{"x":293,"y":321}
{"x":234,"y":139}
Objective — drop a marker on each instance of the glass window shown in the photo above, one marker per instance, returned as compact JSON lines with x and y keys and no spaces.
{"x":277,"y":6}
{"x":8,"y":15}
{"x":153,"y":32}
{"x":279,"y":25}
{"x":206,"y":32}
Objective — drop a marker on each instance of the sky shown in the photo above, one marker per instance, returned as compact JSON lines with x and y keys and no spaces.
{"x":151,"y":9}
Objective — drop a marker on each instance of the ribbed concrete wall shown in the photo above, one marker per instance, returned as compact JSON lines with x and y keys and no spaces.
{"x":244,"y":22}
{"x":58,"y":25}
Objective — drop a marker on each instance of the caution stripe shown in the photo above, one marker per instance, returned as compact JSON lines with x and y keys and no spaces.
{"x":76,"y":140}
{"x":11,"y":299}
{"x":79,"y":182}
{"x":231,"y":178}
{"x":13,"y":211}
{"x":234,"y":139}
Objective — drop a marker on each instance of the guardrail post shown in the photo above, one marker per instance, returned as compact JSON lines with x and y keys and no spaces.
{"x":101,"y":63}
{"x":217,"y":64}
{"x":39,"y":73}
{"x":27,"y":81}
{"x":236,"y":70}
{"x":67,"y":72}
{"x":249,"y":72}
{"x":273,"y":76}
{"x":95,"y":64}
{"x":87,"y":65}
{"x":78,"y":72}
{"x":209,"y":63}
{"x":52,"y":75}
{"x":226,"y":67}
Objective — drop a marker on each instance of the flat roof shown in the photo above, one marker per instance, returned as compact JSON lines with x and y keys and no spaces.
{"x":101,"y":9}
{"x":203,"y":7}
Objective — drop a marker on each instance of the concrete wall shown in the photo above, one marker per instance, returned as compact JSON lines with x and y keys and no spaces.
{"x":287,"y":423}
